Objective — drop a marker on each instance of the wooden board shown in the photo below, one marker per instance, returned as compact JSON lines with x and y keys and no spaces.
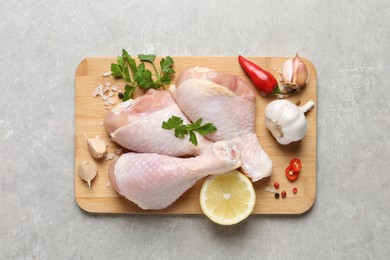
{"x":101,"y":198}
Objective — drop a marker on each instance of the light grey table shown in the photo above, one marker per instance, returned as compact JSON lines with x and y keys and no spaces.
{"x":42,"y":43}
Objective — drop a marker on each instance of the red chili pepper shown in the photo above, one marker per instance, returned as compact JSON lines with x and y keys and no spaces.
{"x":296,"y":164}
{"x":290,"y":174}
{"x":262,"y":79}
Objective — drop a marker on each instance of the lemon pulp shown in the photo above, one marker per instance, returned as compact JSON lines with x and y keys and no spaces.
{"x":228,"y":198}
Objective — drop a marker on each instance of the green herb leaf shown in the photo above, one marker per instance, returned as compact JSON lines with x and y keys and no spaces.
{"x":166,"y":65}
{"x":165,"y":79}
{"x":116,"y":70}
{"x":173,"y":122}
{"x":147,"y":57}
{"x":206,"y":129}
{"x":143,"y":77}
{"x":193,"y":138}
{"x":181,"y":130}
{"x":130,"y":61}
{"x":129,"y":91}
{"x":126,"y":76}
{"x":120,"y":62}
{"x":166,"y":70}
{"x":196,"y":124}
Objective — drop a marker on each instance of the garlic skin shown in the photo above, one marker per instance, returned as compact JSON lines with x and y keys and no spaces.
{"x":295,"y":73}
{"x":97,"y":147}
{"x":286,"y":121}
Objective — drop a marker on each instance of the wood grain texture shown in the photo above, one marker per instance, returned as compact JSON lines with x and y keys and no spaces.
{"x":101,"y":198}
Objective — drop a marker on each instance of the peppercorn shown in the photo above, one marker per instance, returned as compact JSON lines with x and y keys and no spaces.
{"x":276,"y":195}
{"x":283,"y":194}
{"x":276,"y":185}
{"x":120,"y":95}
{"x":295,"y":190}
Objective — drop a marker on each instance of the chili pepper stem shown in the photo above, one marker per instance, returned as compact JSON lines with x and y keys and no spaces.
{"x":278,"y":91}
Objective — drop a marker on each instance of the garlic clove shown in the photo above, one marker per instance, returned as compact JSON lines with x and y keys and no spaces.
{"x":97,"y":147}
{"x":287,"y":71}
{"x":301,"y":74}
{"x":87,"y":171}
{"x":275,"y":128}
{"x":295,"y":73}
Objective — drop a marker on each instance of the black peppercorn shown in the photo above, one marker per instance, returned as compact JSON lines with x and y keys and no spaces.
{"x":276,"y":195}
{"x":120,"y":95}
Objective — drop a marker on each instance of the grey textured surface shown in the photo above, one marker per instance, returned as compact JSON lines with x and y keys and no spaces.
{"x":42,"y":43}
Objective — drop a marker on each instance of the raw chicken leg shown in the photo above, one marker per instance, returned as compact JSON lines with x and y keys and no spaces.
{"x":136,"y":125}
{"x":231,"y":108}
{"x":155,"y":181}
{"x":232,"y":82}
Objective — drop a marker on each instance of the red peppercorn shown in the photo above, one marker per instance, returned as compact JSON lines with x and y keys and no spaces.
{"x":276,"y":185}
{"x":295,"y":190}
{"x":283,"y":194}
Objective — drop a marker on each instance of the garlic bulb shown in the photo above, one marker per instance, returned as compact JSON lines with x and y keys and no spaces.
{"x":286,"y":121}
{"x":295,"y":73}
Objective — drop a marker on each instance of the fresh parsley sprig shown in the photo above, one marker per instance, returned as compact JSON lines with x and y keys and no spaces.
{"x":139,"y":76}
{"x":181,"y":130}
{"x":163,"y":77}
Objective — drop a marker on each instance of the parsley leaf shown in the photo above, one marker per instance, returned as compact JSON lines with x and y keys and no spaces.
{"x":147,"y":57}
{"x":126,"y":75}
{"x":116,"y":70}
{"x":120,"y":62}
{"x":165,"y":79}
{"x":196,"y":124}
{"x":173,"y":122}
{"x":129,"y":91}
{"x":166,"y":70}
{"x":143,"y":77}
{"x":166,"y":65}
{"x":206,"y":129}
{"x":193,"y":138}
{"x":181,"y":130}
{"x":130,"y":61}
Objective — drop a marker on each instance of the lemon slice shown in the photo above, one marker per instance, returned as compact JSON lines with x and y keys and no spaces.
{"x":228,"y":198}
